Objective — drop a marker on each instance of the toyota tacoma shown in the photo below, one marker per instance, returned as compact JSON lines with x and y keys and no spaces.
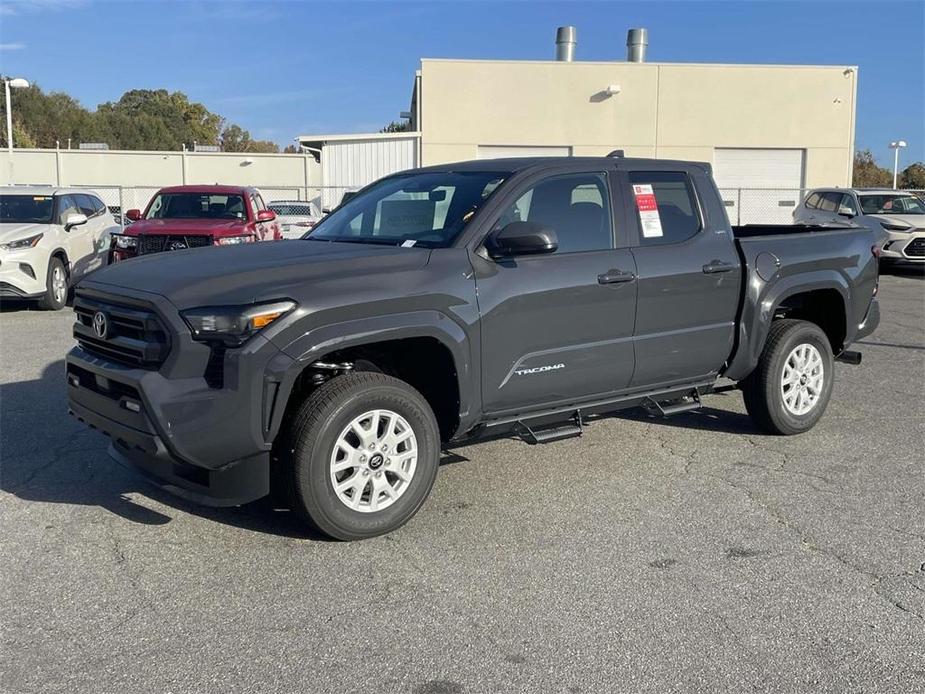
{"x":447,"y":303}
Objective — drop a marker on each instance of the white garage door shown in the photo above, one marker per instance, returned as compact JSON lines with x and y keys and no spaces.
{"x":759,"y":186}
{"x":503,"y":151}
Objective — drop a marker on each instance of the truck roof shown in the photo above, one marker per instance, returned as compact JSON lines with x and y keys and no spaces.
{"x":519,"y":164}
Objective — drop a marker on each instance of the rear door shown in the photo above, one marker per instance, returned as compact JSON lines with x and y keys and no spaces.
{"x":689,"y":276}
{"x":558,"y":328}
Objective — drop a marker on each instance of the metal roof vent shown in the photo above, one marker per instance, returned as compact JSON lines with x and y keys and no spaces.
{"x":566,"y":40}
{"x":637,"y":41}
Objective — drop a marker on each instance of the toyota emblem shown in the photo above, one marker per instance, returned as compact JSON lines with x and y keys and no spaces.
{"x":100,"y":324}
{"x":177,"y":245}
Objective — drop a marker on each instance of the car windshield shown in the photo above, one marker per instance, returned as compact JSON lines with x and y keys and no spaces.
{"x":196,"y":206}
{"x":26,"y":209}
{"x":418,"y":209}
{"x":888,"y":203}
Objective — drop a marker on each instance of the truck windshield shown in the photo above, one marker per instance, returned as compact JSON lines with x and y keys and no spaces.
{"x":196,"y":206}
{"x":887,"y":203}
{"x":418,"y":209}
{"x":26,"y":209}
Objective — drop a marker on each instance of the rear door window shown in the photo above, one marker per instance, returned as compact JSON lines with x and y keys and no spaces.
{"x":677,"y":214}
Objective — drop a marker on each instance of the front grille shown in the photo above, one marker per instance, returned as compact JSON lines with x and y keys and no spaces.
{"x":133,"y":335}
{"x":916,"y":248}
{"x":157,"y":243}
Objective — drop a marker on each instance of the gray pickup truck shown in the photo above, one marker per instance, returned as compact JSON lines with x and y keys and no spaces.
{"x":450,"y":302}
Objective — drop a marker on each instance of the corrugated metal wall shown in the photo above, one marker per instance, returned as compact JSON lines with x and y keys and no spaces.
{"x":352,"y":164}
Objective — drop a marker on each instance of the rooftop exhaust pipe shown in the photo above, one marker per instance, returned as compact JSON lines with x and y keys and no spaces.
{"x":566,"y":40}
{"x":637,"y":41}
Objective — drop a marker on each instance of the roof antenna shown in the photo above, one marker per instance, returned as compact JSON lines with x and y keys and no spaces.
{"x":616,"y":154}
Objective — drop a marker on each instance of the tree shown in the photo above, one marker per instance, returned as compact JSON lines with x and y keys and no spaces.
{"x":157,"y":119}
{"x":913,"y":176}
{"x":237,"y":139}
{"x":397,"y":126}
{"x":869,"y":174}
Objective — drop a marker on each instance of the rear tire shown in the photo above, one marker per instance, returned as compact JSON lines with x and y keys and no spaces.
{"x":350,"y":487}
{"x":790,"y":388}
{"x":56,"y":288}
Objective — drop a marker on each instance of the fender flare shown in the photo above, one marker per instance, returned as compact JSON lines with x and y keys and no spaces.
{"x":762,"y":300}
{"x":319,"y":341}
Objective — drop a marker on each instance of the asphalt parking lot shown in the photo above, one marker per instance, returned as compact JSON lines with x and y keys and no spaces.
{"x":692,"y":553}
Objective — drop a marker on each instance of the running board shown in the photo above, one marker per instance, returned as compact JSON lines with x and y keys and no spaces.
{"x":554,"y":433}
{"x":688,"y":403}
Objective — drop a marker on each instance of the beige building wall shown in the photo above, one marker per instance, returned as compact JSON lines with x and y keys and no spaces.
{"x":662,"y":110}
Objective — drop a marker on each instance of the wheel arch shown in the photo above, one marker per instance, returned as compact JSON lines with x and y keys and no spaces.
{"x":822,"y":297}
{"x":424,"y":348}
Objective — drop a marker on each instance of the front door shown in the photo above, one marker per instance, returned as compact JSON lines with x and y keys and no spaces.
{"x":689,"y":278}
{"x":558,"y":328}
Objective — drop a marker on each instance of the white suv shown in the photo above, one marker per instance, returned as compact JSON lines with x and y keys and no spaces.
{"x":898,"y":218}
{"x":50,"y":238}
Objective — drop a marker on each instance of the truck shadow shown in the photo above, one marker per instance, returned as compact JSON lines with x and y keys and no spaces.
{"x":706,"y":419}
{"x":47,"y":456}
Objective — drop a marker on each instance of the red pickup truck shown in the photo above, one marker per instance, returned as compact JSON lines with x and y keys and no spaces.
{"x":193,"y":216}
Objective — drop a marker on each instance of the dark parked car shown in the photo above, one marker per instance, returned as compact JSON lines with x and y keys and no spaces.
{"x":449,"y":302}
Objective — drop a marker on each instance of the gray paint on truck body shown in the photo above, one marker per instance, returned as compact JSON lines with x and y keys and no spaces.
{"x":528,"y":336}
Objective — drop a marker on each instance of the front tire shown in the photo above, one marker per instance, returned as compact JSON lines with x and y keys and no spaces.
{"x":361,"y":455}
{"x":56,"y":288}
{"x":790,"y":388}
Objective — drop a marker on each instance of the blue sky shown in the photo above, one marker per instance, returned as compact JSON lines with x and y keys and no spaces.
{"x":281,"y":69}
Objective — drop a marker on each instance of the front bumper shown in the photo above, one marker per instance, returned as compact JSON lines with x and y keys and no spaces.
{"x":904,"y":248}
{"x":23,"y":273}
{"x":206,"y":443}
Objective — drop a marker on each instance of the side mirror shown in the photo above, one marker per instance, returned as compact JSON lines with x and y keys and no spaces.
{"x":134,"y":215}
{"x":74,"y":220}
{"x":266,"y":216}
{"x":845,"y":211}
{"x":521,"y":238}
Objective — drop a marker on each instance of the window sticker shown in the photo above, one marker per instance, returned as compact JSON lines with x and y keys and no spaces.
{"x":408,"y":243}
{"x":648,"y":211}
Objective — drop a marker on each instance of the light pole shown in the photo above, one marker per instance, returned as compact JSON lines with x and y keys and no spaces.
{"x":17,"y":83}
{"x":896,"y":146}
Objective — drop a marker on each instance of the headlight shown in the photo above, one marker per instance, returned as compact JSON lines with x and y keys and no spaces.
{"x":233,"y":325}
{"x":232,"y":240}
{"x":896,"y":227}
{"x":125,"y":241}
{"x":30,"y":242}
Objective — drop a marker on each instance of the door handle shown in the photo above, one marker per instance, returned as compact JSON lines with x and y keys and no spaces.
{"x":718,"y":266}
{"x":616,"y":277}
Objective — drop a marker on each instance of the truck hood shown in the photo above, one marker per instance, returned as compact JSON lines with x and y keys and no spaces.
{"x":17,"y":230}
{"x":187,"y":227}
{"x":916,"y":221}
{"x":255,"y":272}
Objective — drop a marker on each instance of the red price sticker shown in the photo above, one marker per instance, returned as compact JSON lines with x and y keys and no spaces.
{"x":647,"y":206}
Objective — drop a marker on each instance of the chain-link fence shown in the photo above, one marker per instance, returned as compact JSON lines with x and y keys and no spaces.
{"x":119,"y":199}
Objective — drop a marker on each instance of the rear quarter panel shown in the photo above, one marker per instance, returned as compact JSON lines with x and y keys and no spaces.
{"x":838,"y":259}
